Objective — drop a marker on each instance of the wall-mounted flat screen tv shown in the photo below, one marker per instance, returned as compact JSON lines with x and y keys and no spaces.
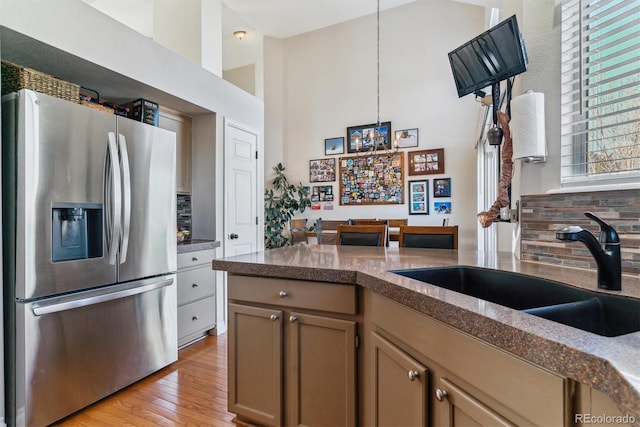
{"x":493,"y":56}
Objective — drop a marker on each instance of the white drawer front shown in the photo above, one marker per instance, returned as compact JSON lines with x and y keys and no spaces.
{"x":195,"y":317}
{"x":192,"y":259}
{"x":195,"y":284}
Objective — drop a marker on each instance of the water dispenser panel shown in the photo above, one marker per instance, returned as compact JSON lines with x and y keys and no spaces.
{"x":76,"y":231}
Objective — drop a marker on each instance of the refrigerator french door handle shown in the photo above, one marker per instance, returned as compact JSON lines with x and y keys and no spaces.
{"x":126,"y":197}
{"x":43,"y":309}
{"x":112,"y":198}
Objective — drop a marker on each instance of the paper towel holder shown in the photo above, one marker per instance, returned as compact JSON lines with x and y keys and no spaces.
{"x":532,"y":126}
{"x":533,"y":159}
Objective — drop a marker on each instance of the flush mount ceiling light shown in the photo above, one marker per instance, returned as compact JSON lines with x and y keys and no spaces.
{"x":240,"y":34}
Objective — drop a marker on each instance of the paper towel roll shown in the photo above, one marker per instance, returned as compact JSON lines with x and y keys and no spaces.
{"x":527,"y":127}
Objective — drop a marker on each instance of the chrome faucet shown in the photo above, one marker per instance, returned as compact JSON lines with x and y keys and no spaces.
{"x":607,"y":257}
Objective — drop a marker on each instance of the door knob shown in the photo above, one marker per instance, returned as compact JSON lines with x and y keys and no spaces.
{"x":233,"y":236}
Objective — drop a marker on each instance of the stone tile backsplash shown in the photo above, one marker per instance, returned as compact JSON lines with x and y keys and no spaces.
{"x":184,"y":212}
{"x":542,"y":215}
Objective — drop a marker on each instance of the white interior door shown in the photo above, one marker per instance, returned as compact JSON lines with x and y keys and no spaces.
{"x":241,"y":207}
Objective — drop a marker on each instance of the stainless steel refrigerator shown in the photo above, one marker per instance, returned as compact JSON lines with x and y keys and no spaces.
{"x":89,"y":217}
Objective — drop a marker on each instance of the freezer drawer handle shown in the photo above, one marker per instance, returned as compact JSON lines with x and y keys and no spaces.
{"x":40,"y":310}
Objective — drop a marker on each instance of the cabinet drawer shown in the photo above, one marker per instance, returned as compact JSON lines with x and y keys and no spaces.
{"x":192,"y":259}
{"x":320,"y":296}
{"x":195,"y":317}
{"x":195,"y":284}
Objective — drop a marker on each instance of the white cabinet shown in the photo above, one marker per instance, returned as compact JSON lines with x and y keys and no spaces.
{"x":196,"y":295}
{"x":181,"y":125}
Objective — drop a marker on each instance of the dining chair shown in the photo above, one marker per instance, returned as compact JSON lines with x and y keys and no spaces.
{"x":326,"y":230}
{"x":371,"y":221}
{"x":365,"y":221}
{"x":424,"y":236}
{"x":394,"y":228}
{"x":298,"y":228}
{"x":362,"y":235}
{"x":397,"y":222}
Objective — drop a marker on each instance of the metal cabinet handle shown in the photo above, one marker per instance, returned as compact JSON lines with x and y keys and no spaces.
{"x":194,"y":285}
{"x":194,"y":318}
{"x":292,"y":319}
{"x":194,"y":259}
{"x":273,"y":317}
{"x":441,"y":395}
{"x":412,"y":375}
{"x":283,"y":294}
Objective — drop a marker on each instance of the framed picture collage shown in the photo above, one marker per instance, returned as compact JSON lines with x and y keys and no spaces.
{"x":377,"y":176}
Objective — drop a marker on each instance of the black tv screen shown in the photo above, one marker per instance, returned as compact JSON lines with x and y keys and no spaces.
{"x":495,"y":55}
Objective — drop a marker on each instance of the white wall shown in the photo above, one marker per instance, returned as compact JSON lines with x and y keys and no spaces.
{"x":192,"y":28}
{"x":274,"y":104}
{"x":541,"y":29}
{"x":329,"y":83}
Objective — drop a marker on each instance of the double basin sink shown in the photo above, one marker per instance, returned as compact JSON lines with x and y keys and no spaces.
{"x":602,"y":314}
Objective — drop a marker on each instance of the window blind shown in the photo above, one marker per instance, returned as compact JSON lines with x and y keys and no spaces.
{"x":600,"y":89}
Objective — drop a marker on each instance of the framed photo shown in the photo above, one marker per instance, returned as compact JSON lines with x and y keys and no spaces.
{"x":360,"y":138}
{"x":419,"y":197}
{"x":322,"y":170}
{"x":442,"y":187}
{"x":426,"y":162}
{"x":322,"y":193}
{"x":442,"y":208}
{"x":334,"y":146}
{"x":405,"y":138}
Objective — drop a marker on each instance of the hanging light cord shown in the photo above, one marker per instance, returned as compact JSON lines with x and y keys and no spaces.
{"x":378,"y":62}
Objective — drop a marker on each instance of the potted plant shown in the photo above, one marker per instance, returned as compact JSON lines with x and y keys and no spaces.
{"x":281,"y":202}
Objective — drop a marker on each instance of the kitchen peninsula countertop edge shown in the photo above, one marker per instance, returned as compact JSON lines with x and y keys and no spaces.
{"x":608,"y":364}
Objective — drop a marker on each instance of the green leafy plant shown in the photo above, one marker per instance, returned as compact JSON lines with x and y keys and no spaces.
{"x":281,"y":201}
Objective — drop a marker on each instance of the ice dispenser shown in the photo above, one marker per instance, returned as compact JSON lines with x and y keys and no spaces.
{"x":77,"y":231}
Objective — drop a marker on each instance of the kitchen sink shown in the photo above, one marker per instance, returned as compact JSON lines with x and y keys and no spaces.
{"x":606,"y":315}
{"x":602,"y":314}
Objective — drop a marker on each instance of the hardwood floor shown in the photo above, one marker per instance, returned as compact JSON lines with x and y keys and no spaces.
{"x":189,"y":392}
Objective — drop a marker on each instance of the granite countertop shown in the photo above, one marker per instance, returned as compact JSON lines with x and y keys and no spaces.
{"x":608,"y":364}
{"x":193,"y":245}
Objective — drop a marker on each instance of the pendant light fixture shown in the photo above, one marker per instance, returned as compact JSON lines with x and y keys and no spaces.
{"x":377,"y":137}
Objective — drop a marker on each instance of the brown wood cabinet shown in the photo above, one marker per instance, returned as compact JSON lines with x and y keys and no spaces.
{"x":255,"y":363}
{"x":470,"y":382}
{"x":292,"y":352}
{"x":400,"y":386}
{"x":456,"y":407}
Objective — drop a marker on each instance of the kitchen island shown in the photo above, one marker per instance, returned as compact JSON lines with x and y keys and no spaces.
{"x":610,"y":366}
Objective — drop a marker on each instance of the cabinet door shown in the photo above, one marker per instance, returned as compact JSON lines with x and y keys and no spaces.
{"x":181,"y":125}
{"x":322,"y":371}
{"x":255,"y":364}
{"x":400,"y":386}
{"x":456,"y":407}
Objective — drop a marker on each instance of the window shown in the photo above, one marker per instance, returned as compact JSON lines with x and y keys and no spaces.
{"x":600,"y":90}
